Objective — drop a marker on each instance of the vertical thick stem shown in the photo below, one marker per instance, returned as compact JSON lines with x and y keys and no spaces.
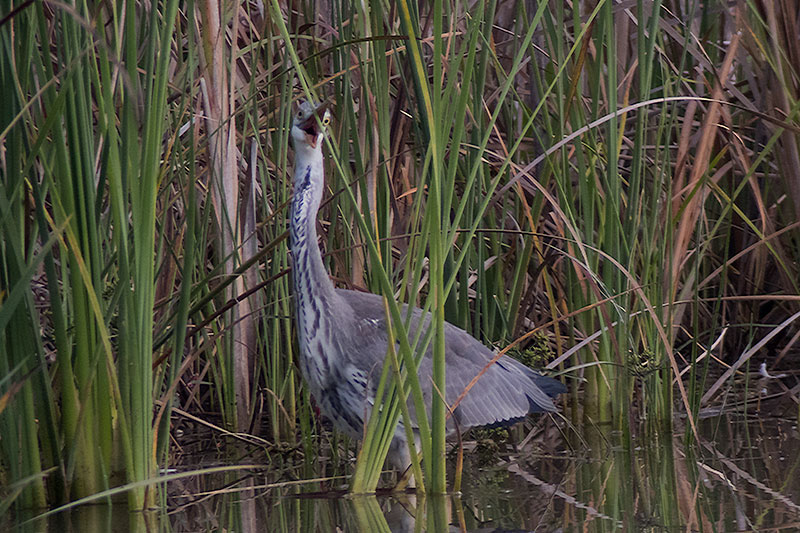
{"x":220,"y":107}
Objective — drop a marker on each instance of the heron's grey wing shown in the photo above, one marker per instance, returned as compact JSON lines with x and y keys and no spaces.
{"x":506,"y":391}
{"x":363,"y":337}
{"x":366,"y":344}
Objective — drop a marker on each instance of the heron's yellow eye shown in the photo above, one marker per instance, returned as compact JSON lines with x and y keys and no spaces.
{"x":326,"y":120}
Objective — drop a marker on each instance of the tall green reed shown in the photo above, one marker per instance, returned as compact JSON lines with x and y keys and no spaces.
{"x":87,"y":133}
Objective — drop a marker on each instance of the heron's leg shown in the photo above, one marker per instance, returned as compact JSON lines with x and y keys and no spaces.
{"x":400,"y":459}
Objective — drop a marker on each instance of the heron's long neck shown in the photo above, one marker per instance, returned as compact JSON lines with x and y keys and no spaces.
{"x":312,"y":287}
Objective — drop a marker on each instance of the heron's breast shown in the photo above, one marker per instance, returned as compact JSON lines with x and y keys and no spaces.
{"x":315,"y":361}
{"x":347,"y":400}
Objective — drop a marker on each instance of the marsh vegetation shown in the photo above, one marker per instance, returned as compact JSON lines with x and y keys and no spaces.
{"x":608,"y":190}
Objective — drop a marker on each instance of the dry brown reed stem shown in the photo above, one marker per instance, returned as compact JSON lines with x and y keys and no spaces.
{"x":694,"y":207}
{"x":220,"y":106}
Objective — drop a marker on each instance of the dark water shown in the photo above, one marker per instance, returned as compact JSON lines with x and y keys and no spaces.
{"x":741,"y":474}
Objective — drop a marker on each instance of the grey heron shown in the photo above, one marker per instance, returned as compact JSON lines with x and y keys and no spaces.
{"x":343,"y":333}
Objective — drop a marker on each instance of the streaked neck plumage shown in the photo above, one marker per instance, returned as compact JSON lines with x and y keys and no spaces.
{"x":314,"y":292}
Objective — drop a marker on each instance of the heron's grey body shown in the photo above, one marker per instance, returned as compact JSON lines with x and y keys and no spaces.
{"x":343,"y":333}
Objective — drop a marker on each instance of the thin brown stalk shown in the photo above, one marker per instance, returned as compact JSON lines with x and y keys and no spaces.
{"x":692,"y":210}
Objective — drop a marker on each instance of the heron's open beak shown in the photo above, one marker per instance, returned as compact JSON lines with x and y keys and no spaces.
{"x":311,"y":126}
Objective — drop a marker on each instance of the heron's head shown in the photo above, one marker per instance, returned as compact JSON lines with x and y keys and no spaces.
{"x":309,"y":124}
